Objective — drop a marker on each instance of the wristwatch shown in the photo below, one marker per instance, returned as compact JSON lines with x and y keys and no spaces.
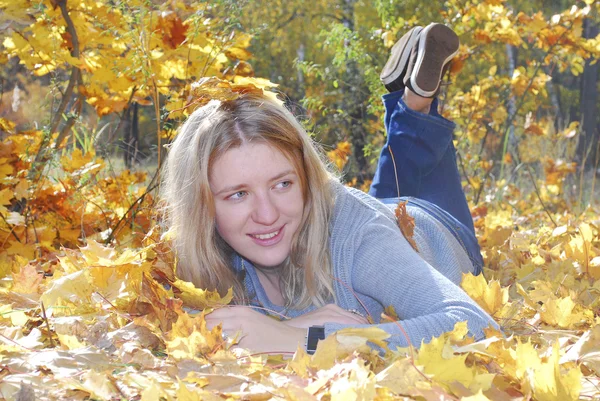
{"x":314,"y":334}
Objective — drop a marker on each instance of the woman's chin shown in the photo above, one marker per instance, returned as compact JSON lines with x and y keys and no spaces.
{"x":268,"y":263}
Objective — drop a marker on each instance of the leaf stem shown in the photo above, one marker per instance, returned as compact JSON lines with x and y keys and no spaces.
{"x":47,"y":325}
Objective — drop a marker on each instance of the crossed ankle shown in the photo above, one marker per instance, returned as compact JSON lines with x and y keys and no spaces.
{"x":416,"y":102}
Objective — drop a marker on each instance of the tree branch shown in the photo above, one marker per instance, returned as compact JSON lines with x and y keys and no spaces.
{"x":75,"y":72}
{"x":74,"y":81}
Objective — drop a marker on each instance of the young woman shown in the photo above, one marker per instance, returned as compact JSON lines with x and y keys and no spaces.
{"x":254,"y":208}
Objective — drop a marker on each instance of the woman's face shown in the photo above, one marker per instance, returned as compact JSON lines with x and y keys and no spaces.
{"x":258,"y":201}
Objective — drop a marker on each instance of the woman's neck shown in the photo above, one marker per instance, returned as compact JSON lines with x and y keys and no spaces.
{"x":270,"y":280}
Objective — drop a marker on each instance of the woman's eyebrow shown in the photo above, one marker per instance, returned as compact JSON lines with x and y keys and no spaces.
{"x":230,"y":188}
{"x":237,"y":187}
{"x":283,"y":174}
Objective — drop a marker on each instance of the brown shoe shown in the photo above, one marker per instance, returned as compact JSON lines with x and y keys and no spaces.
{"x":430,"y":59}
{"x":392,"y":74}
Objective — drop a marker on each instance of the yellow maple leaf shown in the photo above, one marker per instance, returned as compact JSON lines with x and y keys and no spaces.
{"x":7,"y":125}
{"x":76,"y":159}
{"x":585,"y":350}
{"x":6,"y":265}
{"x":476,"y":397}
{"x":300,"y":362}
{"x":438,"y":360}
{"x":490,"y":296}
{"x":354,"y":383}
{"x":400,"y":375}
{"x":5,"y":197}
{"x":20,"y":249}
{"x":27,"y":280}
{"x":70,"y":341}
{"x":18,"y":318}
{"x":96,"y":254}
{"x":562,"y":313}
{"x":346,"y":341}
{"x":152,"y":392}
{"x":184,"y":393}
{"x":190,"y":339}
{"x":5,"y":168}
{"x":21,"y":189}
{"x":99,"y":385}
{"x":75,"y":287}
{"x":519,"y":359}
{"x":198,"y":298}
{"x":498,"y":227}
{"x":551,"y":382}
{"x":594,"y":268}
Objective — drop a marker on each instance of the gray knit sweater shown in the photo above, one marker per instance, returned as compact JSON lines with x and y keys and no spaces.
{"x":370,"y":255}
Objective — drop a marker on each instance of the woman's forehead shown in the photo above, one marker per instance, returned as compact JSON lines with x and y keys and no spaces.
{"x":253,"y":161}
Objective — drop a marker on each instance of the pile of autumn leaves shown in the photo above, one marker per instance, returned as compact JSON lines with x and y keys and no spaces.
{"x":106,"y":323}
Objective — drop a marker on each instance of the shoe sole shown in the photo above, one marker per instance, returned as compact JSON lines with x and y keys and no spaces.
{"x":445,"y":44}
{"x":398,"y":61}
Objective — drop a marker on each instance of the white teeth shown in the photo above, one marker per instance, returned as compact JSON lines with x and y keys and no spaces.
{"x":266,"y":236}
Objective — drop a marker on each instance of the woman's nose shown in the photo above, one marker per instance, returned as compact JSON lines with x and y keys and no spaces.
{"x":265,"y":210}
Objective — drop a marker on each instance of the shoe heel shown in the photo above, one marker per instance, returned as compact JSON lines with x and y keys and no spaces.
{"x":437,"y":45}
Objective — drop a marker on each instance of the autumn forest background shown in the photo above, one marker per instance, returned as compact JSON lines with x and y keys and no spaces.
{"x":92,"y":92}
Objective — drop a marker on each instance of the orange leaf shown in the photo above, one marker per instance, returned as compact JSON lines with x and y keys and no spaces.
{"x":406,"y":224}
{"x":173,"y":30}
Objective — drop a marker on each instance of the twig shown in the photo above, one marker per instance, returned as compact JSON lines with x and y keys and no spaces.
{"x":125,"y":316}
{"x":395,"y":170}
{"x":14,"y":342}
{"x":70,"y":122}
{"x":268,"y":353}
{"x":255,"y":307}
{"x":139,"y":200}
{"x":355,"y":296}
{"x":47,"y":325}
{"x":12,"y":230}
{"x":464,"y":170}
{"x":586,"y":253}
{"x":410,"y":346}
{"x":537,"y":192}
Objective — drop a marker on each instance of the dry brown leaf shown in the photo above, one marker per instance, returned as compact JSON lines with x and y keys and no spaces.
{"x":406,"y":224}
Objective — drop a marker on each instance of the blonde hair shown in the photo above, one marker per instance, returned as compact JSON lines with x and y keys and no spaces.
{"x":204,"y":258}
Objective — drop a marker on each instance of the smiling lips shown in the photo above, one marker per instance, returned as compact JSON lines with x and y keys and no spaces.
{"x":266,"y":236}
{"x":269,"y":238}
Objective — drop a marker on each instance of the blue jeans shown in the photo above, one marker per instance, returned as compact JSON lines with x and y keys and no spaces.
{"x":426,"y":170}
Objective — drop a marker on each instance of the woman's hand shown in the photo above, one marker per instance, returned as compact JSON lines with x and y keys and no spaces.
{"x":260,"y":333}
{"x":327,"y":314}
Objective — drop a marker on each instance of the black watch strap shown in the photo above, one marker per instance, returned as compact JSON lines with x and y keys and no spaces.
{"x":315,"y":333}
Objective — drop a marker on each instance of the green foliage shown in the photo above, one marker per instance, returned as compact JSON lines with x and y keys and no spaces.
{"x":514,"y":82}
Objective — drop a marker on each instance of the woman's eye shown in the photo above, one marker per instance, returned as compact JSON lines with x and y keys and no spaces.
{"x":238,"y":195}
{"x":284,"y":184}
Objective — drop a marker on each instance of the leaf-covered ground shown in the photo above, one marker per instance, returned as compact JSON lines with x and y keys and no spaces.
{"x":98,"y":322}
{"x":80,"y":320}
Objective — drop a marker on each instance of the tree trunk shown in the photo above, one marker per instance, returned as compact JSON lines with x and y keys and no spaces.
{"x":301,"y":56}
{"x":353,"y":103}
{"x":131,"y":138}
{"x":511,"y":53}
{"x":588,"y":142}
{"x":557,"y":108}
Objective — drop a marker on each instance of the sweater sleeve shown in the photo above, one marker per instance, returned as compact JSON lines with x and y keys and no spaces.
{"x":384,"y":267}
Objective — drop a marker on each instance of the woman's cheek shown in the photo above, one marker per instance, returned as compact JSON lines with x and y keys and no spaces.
{"x":232,"y":215}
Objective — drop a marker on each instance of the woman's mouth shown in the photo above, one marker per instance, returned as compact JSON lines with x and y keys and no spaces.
{"x":268,"y":239}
